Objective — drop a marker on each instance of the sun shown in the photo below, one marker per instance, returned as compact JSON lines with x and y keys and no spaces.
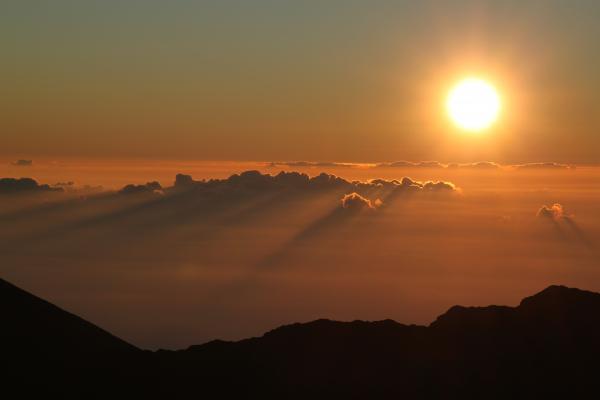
{"x":473,"y":104}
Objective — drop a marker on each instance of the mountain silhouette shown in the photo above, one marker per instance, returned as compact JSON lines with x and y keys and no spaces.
{"x":547,"y":346}
{"x":48,"y":351}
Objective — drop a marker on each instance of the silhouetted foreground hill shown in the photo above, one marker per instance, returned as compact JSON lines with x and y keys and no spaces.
{"x":46,"y":350}
{"x":546,"y":347}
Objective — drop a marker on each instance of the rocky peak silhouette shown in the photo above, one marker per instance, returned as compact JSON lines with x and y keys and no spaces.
{"x":547,"y":346}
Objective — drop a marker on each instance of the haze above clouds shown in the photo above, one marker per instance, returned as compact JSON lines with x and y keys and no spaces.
{"x":181,"y":261}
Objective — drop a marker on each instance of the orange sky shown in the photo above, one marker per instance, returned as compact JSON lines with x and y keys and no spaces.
{"x":345,"y":81}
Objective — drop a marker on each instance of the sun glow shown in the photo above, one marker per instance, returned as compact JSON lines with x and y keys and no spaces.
{"x":473,"y":104}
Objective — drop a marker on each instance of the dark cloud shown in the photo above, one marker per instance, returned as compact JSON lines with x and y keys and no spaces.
{"x":23,"y":163}
{"x":409,"y":183}
{"x":428,"y":186}
{"x":545,"y":165}
{"x":255,"y":181}
{"x":182,"y":181}
{"x":24,"y":185}
{"x":148,"y":188}
{"x":355,"y":202}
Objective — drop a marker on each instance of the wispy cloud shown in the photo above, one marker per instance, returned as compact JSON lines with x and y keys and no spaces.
{"x":22,"y":163}
{"x":316,"y":164}
{"x":544,"y":165}
{"x":429,"y":164}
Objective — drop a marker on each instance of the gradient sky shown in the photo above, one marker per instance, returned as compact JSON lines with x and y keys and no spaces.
{"x":277,"y":80}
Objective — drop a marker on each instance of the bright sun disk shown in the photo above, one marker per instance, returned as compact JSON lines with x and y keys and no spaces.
{"x":473,"y":104}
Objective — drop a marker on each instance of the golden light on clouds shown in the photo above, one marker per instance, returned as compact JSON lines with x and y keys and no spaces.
{"x":473,"y":104}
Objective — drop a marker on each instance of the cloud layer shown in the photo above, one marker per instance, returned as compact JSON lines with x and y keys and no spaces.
{"x":314,"y":164}
{"x":148,"y":188}
{"x":255,"y":181}
{"x":403,"y":164}
{"x":24,"y":185}
{"x":545,"y":165}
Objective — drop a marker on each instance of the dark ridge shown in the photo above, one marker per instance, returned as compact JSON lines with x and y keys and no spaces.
{"x":545,"y":347}
{"x":556,"y":294}
{"x":27,"y":316}
{"x":459,"y":317}
{"x":52,"y":352}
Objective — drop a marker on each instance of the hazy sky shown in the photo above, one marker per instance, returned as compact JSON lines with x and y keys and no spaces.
{"x":234,"y":258}
{"x":319,"y":80}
